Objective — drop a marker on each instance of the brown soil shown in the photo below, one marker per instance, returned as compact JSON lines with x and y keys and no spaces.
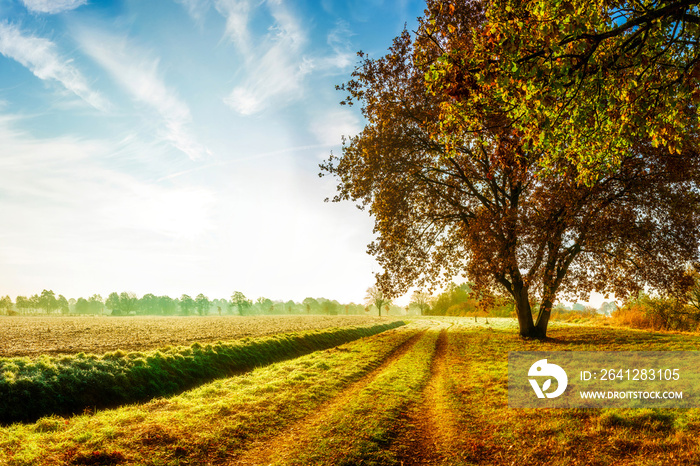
{"x":53,"y":335}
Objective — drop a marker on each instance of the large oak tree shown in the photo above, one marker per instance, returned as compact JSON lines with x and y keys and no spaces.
{"x":468,"y":193}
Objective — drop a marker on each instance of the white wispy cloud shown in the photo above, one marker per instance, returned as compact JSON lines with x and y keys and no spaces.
{"x":278,"y":62}
{"x":75,"y":219}
{"x":237,"y":14}
{"x":42,"y":58}
{"x":340,"y":43}
{"x":276,"y":79}
{"x":137,"y":72}
{"x":195,"y":8}
{"x":52,"y":6}
{"x":65,"y":180}
{"x":277,"y":71}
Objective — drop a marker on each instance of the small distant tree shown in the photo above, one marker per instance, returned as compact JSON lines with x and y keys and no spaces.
{"x":149,"y":304}
{"x":34,"y":302}
{"x":375,"y":297}
{"x":607,"y":308}
{"x":456,"y":300}
{"x":186,"y":304}
{"x":128,"y":301}
{"x":6,"y":304}
{"x":328,"y":306}
{"x":202,"y":304}
{"x":421,"y":300}
{"x":96,"y":304}
{"x":311,"y":306}
{"x":47,"y":301}
{"x":221,"y":305}
{"x":167,"y":305}
{"x":113,"y":304}
{"x":62,"y":304}
{"x":289,"y":306}
{"x":241,"y":303}
{"x":82,"y":306}
{"x":264,"y":305}
{"x":22,"y":303}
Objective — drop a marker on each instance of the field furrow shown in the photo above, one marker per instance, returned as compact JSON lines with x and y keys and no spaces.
{"x":265,"y":450}
{"x":31,"y":388}
{"x":357,"y":429}
{"x":420,"y":436}
{"x":37,"y":335}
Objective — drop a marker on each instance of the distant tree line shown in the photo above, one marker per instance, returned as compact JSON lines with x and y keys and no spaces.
{"x":463,"y":301}
{"x":128,"y":303}
{"x":673,"y":311}
{"x":644,"y":310}
{"x":46,"y":302}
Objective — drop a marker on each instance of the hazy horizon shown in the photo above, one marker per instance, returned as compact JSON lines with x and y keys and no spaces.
{"x":173,"y":147}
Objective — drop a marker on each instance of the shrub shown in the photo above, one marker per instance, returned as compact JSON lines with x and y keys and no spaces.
{"x":657,"y":313}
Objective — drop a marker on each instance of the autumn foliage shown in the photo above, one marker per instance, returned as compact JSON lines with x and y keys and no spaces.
{"x":459,"y":184}
{"x":577,"y":79}
{"x":658,"y":313}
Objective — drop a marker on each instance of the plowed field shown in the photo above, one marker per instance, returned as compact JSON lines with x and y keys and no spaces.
{"x":31,"y":336}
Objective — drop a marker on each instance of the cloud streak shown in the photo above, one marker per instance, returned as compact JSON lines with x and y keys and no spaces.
{"x":277,"y":74}
{"x":195,"y":8}
{"x":41,"y":57}
{"x":63,"y":181}
{"x":278,"y":65}
{"x":52,"y":6}
{"x":237,"y":15}
{"x":138,"y":74}
{"x":75,"y":222}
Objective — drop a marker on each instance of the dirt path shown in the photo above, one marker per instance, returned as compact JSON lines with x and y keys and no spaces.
{"x":425,"y":435}
{"x":271,"y":450}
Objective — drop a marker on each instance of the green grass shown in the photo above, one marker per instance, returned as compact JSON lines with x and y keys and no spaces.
{"x":31,"y":388}
{"x":360,"y":432}
{"x":211,"y":423}
{"x":482,"y":429}
{"x":218,"y":422}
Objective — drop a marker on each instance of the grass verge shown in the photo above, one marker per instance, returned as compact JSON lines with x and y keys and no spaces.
{"x":32,"y":388}
{"x":211,"y":424}
{"x":479,"y":428}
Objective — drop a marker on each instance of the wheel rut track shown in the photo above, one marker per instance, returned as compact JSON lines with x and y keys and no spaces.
{"x":423,"y":436}
{"x":267,"y":451}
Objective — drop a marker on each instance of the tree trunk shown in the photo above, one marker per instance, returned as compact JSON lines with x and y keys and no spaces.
{"x":543,"y":318}
{"x":528,"y":329}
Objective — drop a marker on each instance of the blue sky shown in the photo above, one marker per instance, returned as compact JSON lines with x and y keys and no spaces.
{"x":172,"y":146}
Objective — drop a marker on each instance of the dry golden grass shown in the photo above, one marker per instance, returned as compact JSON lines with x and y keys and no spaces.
{"x":467,"y":422}
{"x":208,"y":425}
